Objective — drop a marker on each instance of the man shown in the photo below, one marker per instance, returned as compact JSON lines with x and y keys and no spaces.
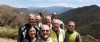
{"x":45,"y":34}
{"x":71,"y":35}
{"x":23,"y":29}
{"x":57,"y":34}
{"x":47,"y":21}
{"x":55,"y":16}
{"x":38,"y":22}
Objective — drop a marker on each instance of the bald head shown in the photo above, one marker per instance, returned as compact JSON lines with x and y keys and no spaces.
{"x":45,"y":27}
{"x":54,"y":13}
{"x":45,"y":31}
{"x":56,"y":21}
{"x":71,"y":23}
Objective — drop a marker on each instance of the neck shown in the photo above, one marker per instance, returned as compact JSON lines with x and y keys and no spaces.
{"x":70,"y":31}
{"x":31,"y":23}
{"x":56,"y":31}
{"x":44,"y":38}
{"x":38,"y":22}
{"x":33,"y":39}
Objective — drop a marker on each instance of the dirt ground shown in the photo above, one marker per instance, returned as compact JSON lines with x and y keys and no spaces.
{"x":7,"y":40}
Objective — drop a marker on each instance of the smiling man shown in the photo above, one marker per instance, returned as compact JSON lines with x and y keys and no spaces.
{"x":45,"y":33}
{"x":56,"y":33}
{"x":71,"y":35}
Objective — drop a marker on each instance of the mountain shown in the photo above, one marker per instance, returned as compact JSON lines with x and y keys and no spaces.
{"x":50,"y":10}
{"x":44,"y":10}
{"x":87,"y":19}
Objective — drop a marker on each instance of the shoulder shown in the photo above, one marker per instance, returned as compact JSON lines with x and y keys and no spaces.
{"x":78,"y":37}
{"x":25,"y":40}
{"x":38,"y":39}
{"x":61,"y":30}
{"x":61,"y":22}
{"x":78,"y":34}
{"x":50,"y":39}
{"x":23,"y":26}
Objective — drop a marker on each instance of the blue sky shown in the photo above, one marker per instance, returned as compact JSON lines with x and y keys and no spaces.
{"x":49,"y":3}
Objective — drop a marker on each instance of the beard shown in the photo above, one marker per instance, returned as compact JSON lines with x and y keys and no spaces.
{"x":44,"y":37}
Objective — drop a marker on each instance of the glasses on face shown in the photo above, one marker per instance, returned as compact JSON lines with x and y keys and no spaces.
{"x":71,"y":25}
{"x":45,"y":30}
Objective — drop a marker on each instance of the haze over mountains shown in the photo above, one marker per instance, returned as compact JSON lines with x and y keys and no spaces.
{"x":50,"y":10}
{"x":44,"y":10}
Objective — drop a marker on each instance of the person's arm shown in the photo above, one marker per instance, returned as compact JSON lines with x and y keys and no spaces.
{"x":18,"y":38}
{"x":78,"y":38}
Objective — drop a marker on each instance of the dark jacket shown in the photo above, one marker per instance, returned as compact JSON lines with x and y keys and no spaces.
{"x":28,"y":40}
{"x":22,"y":32}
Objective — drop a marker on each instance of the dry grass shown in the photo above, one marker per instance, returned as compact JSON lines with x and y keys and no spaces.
{"x":8,"y":32}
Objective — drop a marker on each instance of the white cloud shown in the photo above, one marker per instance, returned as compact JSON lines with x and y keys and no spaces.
{"x":81,"y":0}
{"x":59,"y":4}
{"x":62,"y":4}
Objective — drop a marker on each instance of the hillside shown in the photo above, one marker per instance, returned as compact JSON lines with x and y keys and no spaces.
{"x":87,"y":19}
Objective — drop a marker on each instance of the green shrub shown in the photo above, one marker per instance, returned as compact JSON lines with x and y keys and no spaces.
{"x":9,"y":32}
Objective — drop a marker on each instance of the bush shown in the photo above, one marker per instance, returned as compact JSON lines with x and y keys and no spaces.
{"x":9,"y":32}
{"x":89,"y":38}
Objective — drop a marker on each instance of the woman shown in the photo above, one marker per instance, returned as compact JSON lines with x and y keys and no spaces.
{"x":31,"y":35}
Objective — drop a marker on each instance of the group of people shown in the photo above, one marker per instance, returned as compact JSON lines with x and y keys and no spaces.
{"x":48,"y":29}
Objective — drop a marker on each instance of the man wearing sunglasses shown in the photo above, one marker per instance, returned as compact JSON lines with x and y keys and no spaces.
{"x":45,"y":34}
{"x":71,"y":35}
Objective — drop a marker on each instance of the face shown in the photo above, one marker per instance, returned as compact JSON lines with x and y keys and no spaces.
{"x":32,"y":32}
{"x":55,"y":16}
{"x":56,"y":25}
{"x":45,"y":31}
{"x":38,"y":18}
{"x":48,"y":20}
{"x":31,"y":20}
{"x":71,"y":26}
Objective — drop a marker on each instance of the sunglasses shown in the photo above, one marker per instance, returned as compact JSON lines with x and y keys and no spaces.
{"x":71,"y":26}
{"x":45,"y":30}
